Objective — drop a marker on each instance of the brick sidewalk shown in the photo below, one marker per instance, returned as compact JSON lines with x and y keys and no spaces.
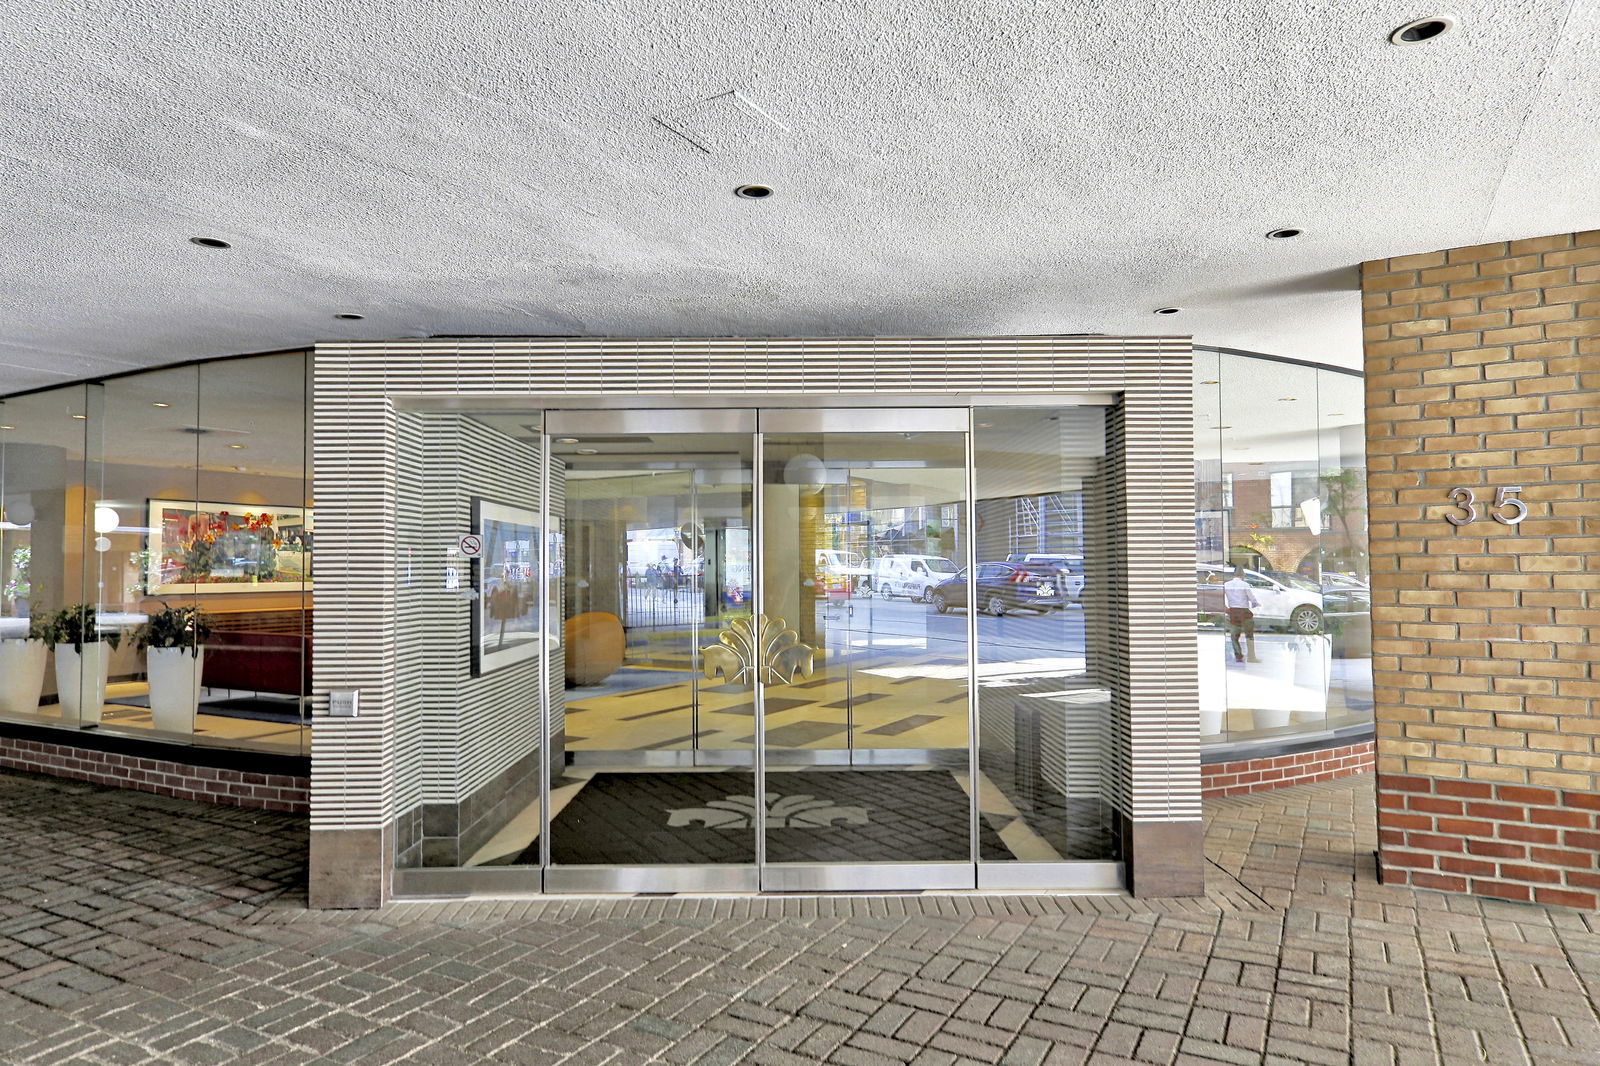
{"x":140,"y":929}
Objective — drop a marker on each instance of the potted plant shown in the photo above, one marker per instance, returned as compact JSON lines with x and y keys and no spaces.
{"x":173,"y":640}
{"x":22,"y":667}
{"x":83,"y":661}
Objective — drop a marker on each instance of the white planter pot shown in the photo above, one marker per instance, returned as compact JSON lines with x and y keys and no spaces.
{"x":174,"y":687}
{"x":22,"y":665}
{"x":1214,"y":656}
{"x":81,"y":681}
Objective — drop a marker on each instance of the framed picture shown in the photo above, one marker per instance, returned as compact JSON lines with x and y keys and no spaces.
{"x":227,"y":547}
{"x":505,"y":617}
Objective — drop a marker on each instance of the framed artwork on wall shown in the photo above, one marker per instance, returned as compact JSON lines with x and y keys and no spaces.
{"x":505,"y":615}
{"x":206,"y":548}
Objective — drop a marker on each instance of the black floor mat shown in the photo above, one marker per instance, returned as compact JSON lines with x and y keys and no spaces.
{"x":813,"y":816}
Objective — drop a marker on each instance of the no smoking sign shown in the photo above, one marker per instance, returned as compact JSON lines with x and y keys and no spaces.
{"x":471,"y":545}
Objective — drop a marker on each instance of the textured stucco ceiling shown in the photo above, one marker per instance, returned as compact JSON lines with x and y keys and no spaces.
{"x":942,"y":168}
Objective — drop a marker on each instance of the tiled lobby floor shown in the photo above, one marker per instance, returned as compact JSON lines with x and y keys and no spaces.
{"x":140,"y":929}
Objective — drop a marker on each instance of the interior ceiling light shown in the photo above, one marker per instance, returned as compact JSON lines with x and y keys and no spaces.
{"x":1221,"y":427}
{"x":81,"y":418}
{"x":209,"y":242}
{"x":1423,"y":29}
{"x":8,"y":427}
{"x":1283,"y":234}
{"x":588,"y":451}
{"x":1168,"y":310}
{"x":1287,"y":399}
{"x":349,"y":316}
{"x":566,"y":440}
{"x":237,"y":447}
{"x":753,"y":192}
{"x":161,"y":405}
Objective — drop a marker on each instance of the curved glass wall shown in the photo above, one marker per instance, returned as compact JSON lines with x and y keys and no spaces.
{"x":188,"y":488}
{"x":139,"y":513}
{"x":1281,"y":579}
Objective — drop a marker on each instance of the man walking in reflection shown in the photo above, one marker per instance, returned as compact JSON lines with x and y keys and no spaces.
{"x":1241,"y":601}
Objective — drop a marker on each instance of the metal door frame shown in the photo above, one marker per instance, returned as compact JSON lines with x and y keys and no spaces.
{"x":733,"y":413}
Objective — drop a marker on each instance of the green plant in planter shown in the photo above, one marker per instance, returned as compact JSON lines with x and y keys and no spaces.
{"x":78,"y":625}
{"x":173,"y":627}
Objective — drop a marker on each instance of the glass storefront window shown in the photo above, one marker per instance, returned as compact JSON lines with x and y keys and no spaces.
{"x":139,"y":508}
{"x":1280,"y":537}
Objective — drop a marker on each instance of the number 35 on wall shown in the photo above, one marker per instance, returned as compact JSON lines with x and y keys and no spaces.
{"x":1505,"y":496}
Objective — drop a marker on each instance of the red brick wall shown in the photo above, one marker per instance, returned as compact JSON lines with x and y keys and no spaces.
{"x":1509,"y":841}
{"x":270,"y":792}
{"x":1483,"y":371}
{"x":1279,"y":771}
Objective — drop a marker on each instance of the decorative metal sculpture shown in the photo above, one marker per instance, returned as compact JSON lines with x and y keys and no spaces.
{"x":759,"y":645}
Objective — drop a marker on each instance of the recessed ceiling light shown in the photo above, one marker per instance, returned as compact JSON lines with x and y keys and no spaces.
{"x":1168,"y":310}
{"x":237,"y":447}
{"x":241,"y":469}
{"x":566,"y":440}
{"x":1335,"y":414}
{"x":209,"y":242}
{"x":753,"y":192}
{"x":349,"y":316}
{"x":1212,"y":382}
{"x":1423,"y":29}
{"x":1283,"y":234}
{"x":81,"y":418}
{"x":161,"y":405}
{"x":1287,"y":399}
{"x":8,"y":427}
{"x":588,"y":451}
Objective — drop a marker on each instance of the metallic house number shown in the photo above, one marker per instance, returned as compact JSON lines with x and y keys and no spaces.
{"x":1505,"y":496}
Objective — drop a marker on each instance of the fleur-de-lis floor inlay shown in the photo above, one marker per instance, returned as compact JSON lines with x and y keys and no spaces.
{"x":783,"y":812}
{"x":759,"y":645}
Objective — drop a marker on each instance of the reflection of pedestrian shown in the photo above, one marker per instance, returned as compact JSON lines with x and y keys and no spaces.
{"x":1239,"y":600}
{"x":677,"y":579}
{"x":503,"y":604}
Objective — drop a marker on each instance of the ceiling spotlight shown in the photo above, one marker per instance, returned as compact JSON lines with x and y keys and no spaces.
{"x":209,"y":242}
{"x":8,"y":427}
{"x":588,"y":451}
{"x":1423,"y":29}
{"x":753,"y":192}
{"x":81,"y":418}
{"x":349,"y":317}
{"x":161,"y":405}
{"x":237,"y":447}
{"x":1283,"y":234}
{"x":1168,"y":310}
{"x":566,"y":440}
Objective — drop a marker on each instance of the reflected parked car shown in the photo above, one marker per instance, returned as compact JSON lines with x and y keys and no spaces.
{"x":1286,"y":600}
{"x":1005,"y":587}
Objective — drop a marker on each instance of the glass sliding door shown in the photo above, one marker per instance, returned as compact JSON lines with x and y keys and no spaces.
{"x":787,"y":649}
{"x":865,"y":703}
{"x":658,"y":791}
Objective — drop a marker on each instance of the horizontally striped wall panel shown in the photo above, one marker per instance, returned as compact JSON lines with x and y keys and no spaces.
{"x":354,"y":781}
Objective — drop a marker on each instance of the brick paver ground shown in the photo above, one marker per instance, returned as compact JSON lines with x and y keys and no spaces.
{"x":140,"y":929}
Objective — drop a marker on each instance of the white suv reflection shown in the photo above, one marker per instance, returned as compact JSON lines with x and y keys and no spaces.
{"x":1287,"y":600}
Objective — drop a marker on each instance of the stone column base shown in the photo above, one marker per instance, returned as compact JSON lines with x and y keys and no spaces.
{"x":1165,"y":858}
{"x":350,"y":868}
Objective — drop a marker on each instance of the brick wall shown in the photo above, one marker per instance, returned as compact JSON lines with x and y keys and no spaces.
{"x":1279,"y":771}
{"x":1483,"y":370}
{"x":271,"y":792}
